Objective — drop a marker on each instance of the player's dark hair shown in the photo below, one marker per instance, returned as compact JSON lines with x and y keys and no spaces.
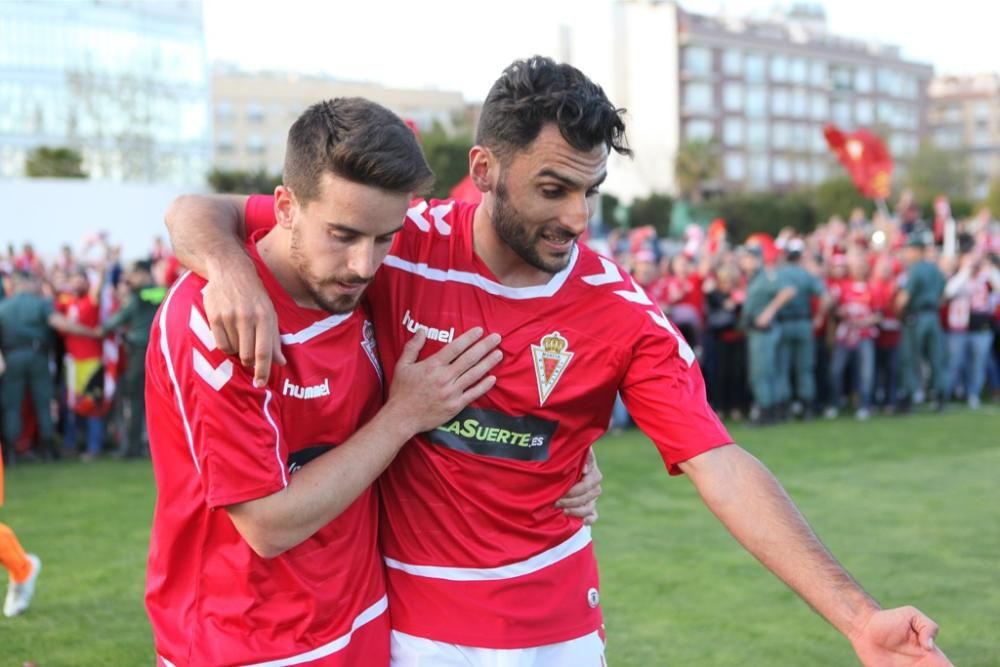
{"x":536,"y":91}
{"x":355,"y":139}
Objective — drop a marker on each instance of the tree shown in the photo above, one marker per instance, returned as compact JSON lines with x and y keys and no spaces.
{"x":653,"y":210}
{"x":933,"y":171}
{"x":58,"y":162}
{"x":238,"y":181}
{"x":992,"y":200}
{"x":448,"y":156}
{"x":696,"y":164}
{"x":838,"y":196}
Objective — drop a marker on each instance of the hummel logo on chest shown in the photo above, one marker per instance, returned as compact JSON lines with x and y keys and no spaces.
{"x":441,"y":335}
{"x":315,"y":391}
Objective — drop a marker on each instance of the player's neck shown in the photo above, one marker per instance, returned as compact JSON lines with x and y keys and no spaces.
{"x":506,"y":265}
{"x":273,"y":251}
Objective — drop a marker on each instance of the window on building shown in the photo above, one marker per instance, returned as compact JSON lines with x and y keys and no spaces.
{"x":840,"y":111}
{"x":732,"y":62}
{"x":698,"y":60}
{"x":798,"y":70}
{"x":799,"y":104}
{"x":255,"y":112}
{"x":697,"y":97}
{"x":255,"y":144}
{"x":224,"y":110}
{"x":779,"y":68}
{"x":699,"y":130}
{"x":817,"y":140}
{"x":759,"y":171}
{"x":734,"y":166}
{"x":817,"y":73}
{"x":757,"y":134}
{"x":819,"y":105}
{"x":756,"y":101}
{"x":780,"y":136}
{"x":801,"y":170}
{"x":779,"y":102}
{"x":819,"y":171}
{"x":732,"y":131}
{"x":864,"y":112}
{"x":755,"y":67}
{"x":224,"y":142}
{"x":841,"y":78}
{"x":732,"y":96}
{"x":782,"y":170}
{"x":863,"y":80}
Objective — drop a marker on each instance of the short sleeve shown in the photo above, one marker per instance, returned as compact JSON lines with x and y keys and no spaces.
{"x":664,"y":392}
{"x":258,"y":215}
{"x":235,"y":430}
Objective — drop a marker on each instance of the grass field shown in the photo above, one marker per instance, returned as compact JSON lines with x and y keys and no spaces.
{"x":910,"y":505}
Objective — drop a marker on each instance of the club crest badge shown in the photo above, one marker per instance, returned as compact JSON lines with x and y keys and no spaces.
{"x":368,"y":343}
{"x":551,"y":359}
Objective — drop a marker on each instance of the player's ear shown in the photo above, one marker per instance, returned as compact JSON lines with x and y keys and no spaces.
{"x":482,"y":164}
{"x":284,"y":202}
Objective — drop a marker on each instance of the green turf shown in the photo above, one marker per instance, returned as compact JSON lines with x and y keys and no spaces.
{"x":911,"y":506}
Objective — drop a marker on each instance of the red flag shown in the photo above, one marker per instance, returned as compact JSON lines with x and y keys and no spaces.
{"x":865,"y":158}
{"x":466,"y":191}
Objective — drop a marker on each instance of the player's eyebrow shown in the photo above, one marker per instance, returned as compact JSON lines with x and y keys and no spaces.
{"x":347,"y":229}
{"x":570,"y":182}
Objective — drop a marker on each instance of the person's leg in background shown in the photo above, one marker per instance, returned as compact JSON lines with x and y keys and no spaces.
{"x":40,"y":384}
{"x":982,"y":346}
{"x":955,"y":343}
{"x":22,"y":568}
{"x":866,"y":377}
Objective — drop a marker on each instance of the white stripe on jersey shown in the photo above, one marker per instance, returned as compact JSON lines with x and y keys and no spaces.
{"x":329,"y":648}
{"x":165,"y":350}
{"x":314,"y":329}
{"x":337,"y":644}
{"x":277,"y":436}
{"x":484,"y":283}
{"x":578,"y":541}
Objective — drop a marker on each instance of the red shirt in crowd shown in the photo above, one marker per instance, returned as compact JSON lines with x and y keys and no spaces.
{"x":85,"y":311}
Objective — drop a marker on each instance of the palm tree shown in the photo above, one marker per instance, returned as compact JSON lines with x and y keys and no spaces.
{"x":697,"y":163}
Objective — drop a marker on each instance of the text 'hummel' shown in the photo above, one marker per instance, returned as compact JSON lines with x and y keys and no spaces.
{"x":315,"y":391}
{"x":442,"y":335}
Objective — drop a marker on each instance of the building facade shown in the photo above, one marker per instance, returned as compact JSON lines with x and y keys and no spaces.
{"x":964,"y":117}
{"x":763,"y":89}
{"x":253,"y":112}
{"x":125,"y":83}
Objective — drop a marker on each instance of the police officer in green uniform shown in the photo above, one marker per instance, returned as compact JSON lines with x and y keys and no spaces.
{"x":919,"y":301}
{"x":135,"y":320}
{"x":765,"y":297}
{"x":25,"y":341}
{"x":797,"y":347}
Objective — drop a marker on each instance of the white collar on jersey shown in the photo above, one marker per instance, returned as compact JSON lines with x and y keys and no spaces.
{"x":484,"y":283}
{"x":314,"y":329}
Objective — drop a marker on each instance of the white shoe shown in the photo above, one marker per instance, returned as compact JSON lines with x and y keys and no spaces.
{"x":19,"y":595}
{"x":974,"y":402}
{"x":830,"y":413}
{"x":862,"y":414}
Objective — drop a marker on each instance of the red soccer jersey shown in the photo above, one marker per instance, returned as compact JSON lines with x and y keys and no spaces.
{"x":856,"y":303}
{"x":477,"y":553}
{"x":82,"y":310}
{"x":216,"y":440}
